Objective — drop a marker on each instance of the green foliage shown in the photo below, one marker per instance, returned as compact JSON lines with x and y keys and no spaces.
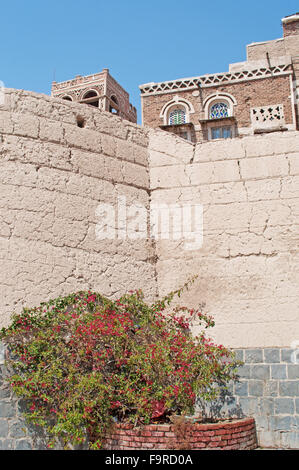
{"x":84,"y":362}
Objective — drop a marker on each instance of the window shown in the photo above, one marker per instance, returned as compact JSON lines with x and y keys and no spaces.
{"x":90,"y":94}
{"x":177,"y":116}
{"x":224,"y":132}
{"x":91,"y":98}
{"x":219,"y":106}
{"x":219,"y":110}
{"x":176,"y":111}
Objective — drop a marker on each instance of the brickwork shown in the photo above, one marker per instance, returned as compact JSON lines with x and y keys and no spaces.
{"x":17,"y":434}
{"x":248,"y":95}
{"x":267,"y":390}
{"x":266,"y":79}
{"x":106,"y":94}
{"x":238,"y":435}
{"x":290,"y":28}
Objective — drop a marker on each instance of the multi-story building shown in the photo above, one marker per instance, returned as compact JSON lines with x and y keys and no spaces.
{"x":100,"y":90}
{"x":256,"y":96}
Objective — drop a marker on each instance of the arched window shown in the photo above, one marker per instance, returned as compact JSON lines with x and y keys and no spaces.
{"x":219,"y":110}
{"x":90,"y":94}
{"x":219,"y":106}
{"x":91,"y":98}
{"x":219,"y":116}
{"x":176,"y":111}
{"x":177,"y":116}
{"x":67,"y":98}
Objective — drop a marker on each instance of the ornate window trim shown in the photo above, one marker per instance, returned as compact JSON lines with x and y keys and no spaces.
{"x":179,"y":103}
{"x":86,"y":91}
{"x":211,"y":100}
{"x":93,"y":100}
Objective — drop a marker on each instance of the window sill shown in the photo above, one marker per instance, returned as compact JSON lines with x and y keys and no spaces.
{"x":224,"y":119}
{"x":169,"y":126}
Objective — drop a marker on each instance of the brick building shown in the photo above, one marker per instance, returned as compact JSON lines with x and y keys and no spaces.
{"x":100,"y":90}
{"x":256,"y":96}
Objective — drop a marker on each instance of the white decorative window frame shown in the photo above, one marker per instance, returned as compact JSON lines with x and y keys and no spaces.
{"x":220,"y":97}
{"x":172,"y":104}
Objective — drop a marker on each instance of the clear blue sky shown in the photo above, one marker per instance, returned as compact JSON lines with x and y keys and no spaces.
{"x":139,"y":41}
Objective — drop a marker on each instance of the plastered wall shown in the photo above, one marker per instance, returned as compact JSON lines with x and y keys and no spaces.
{"x":54,"y":175}
{"x":248,"y":263}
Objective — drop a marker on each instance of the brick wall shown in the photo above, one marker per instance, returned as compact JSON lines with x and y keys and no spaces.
{"x":267,"y":390}
{"x":291,"y":29}
{"x":239,"y":435}
{"x":254,"y":93}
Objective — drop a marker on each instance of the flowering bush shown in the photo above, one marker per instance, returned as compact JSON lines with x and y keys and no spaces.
{"x":84,"y":361}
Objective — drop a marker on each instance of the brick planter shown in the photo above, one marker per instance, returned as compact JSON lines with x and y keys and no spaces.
{"x":238,"y":434}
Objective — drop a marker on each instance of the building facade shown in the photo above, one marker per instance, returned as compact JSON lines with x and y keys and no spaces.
{"x":256,"y":96}
{"x":100,"y":90}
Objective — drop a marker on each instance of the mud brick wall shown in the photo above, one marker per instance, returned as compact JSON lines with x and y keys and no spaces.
{"x":53,"y":176}
{"x":54,"y":173}
{"x":248,"y":262}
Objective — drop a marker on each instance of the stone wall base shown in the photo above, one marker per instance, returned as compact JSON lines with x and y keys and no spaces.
{"x":267,"y":390}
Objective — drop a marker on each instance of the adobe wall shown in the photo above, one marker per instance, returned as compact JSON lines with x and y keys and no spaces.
{"x":248,"y":263}
{"x":54,"y":174}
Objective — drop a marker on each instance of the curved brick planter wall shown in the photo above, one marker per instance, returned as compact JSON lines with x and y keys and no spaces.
{"x":235,"y":435}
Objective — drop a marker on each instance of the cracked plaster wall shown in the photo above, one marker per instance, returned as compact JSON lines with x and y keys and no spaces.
{"x":248,"y":263}
{"x":53,"y":176}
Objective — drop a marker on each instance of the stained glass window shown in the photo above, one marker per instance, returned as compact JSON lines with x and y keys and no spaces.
{"x":219,"y":110}
{"x":177,"y":116}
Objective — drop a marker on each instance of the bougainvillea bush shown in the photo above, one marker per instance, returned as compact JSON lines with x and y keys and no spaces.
{"x":83,"y":362}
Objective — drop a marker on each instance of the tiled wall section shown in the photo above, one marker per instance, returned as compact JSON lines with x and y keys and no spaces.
{"x":268,"y":390}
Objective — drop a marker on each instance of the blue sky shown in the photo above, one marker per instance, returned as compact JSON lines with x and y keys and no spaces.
{"x":139,"y":41}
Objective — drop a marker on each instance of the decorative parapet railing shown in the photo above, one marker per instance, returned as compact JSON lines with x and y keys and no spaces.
{"x":213,"y":80}
{"x":79,"y":80}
